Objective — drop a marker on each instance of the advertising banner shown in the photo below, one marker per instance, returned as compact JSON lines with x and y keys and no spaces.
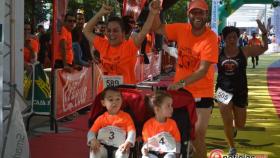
{"x":73,"y":91}
{"x":215,"y":15}
{"x":276,"y":23}
{"x":42,"y":91}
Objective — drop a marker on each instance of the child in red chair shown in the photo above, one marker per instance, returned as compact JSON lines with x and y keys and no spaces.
{"x":160,"y":133}
{"x":113,"y":133}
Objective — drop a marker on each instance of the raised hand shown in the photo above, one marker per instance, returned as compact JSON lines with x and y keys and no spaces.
{"x":155,"y":6}
{"x":106,"y":9}
{"x":261,"y":26}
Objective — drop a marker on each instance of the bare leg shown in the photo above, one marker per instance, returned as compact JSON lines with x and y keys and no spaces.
{"x":240,"y":115}
{"x":227,"y":115}
{"x":253,"y":61}
{"x":203,"y":115}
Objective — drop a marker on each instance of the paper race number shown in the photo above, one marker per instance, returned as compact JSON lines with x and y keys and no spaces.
{"x":112,"y":136}
{"x":162,"y":142}
{"x":112,"y":81}
{"x":223,"y":96}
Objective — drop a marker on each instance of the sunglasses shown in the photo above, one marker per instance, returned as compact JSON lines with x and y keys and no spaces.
{"x":71,"y":21}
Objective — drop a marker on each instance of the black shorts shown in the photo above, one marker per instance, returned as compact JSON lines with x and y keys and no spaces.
{"x":240,"y":99}
{"x":205,"y":103}
{"x":201,"y":102}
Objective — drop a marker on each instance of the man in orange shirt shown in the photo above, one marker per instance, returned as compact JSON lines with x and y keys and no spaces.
{"x":255,"y":42}
{"x":64,"y":56}
{"x":31,"y":47}
{"x":197,"y":54}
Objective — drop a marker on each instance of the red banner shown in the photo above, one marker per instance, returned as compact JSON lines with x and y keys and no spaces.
{"x":73,"y":91}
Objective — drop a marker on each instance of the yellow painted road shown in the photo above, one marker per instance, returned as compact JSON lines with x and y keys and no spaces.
{"x":261,"y":136}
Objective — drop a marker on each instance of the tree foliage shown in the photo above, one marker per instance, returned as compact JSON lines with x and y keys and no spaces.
{"x":177,"y":13}
{"x":36,"y":11}
{"x":90,"y":7}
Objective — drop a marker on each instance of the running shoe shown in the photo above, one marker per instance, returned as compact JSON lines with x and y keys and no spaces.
{"x":232,"y":152}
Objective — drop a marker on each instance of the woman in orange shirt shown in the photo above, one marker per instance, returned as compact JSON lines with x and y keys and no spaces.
{"x":31,"y":45}
{"x":118,"y":55}
{"x":160,"y":134}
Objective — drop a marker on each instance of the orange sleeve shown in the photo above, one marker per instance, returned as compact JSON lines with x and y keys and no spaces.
{"x":63,"y":34}
{"x":173,"y":30}
{"x":97,"y":124}
{"x":99,"y":43}
{"x":175,"y":131}
{"x":145,"y":132}
{"x":250,"y":42}
{"x":132,"y":47}
{"x":129,"y":123}
{"x":211,"y":49}
{"x":35,"y":45}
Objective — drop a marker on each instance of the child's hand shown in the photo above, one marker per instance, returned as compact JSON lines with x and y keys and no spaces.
{"x":144,"y":150}
{"x":124,"y":148}
{"x":94,"y":145}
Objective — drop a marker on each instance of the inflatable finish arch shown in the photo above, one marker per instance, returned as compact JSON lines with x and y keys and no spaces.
{"x":235,"y":4}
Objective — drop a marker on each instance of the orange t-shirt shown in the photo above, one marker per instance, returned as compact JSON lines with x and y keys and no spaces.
{"x":191,"y":51}
{"x":152,"y":127}
{"x":67,"y":36}
{"x":255,"y":42}
{"x":118,"y":60}
{"x":35,"y":47}
{"x":121,"y":120}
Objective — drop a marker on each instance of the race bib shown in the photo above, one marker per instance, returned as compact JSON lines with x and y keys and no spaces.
{"x":112,"y":81}
{"x":223,"y":97}
{"x":112,"y":136}
{"x":162,"y":142}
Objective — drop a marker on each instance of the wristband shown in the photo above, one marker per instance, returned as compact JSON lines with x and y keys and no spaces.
{"x":183,"y":82}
